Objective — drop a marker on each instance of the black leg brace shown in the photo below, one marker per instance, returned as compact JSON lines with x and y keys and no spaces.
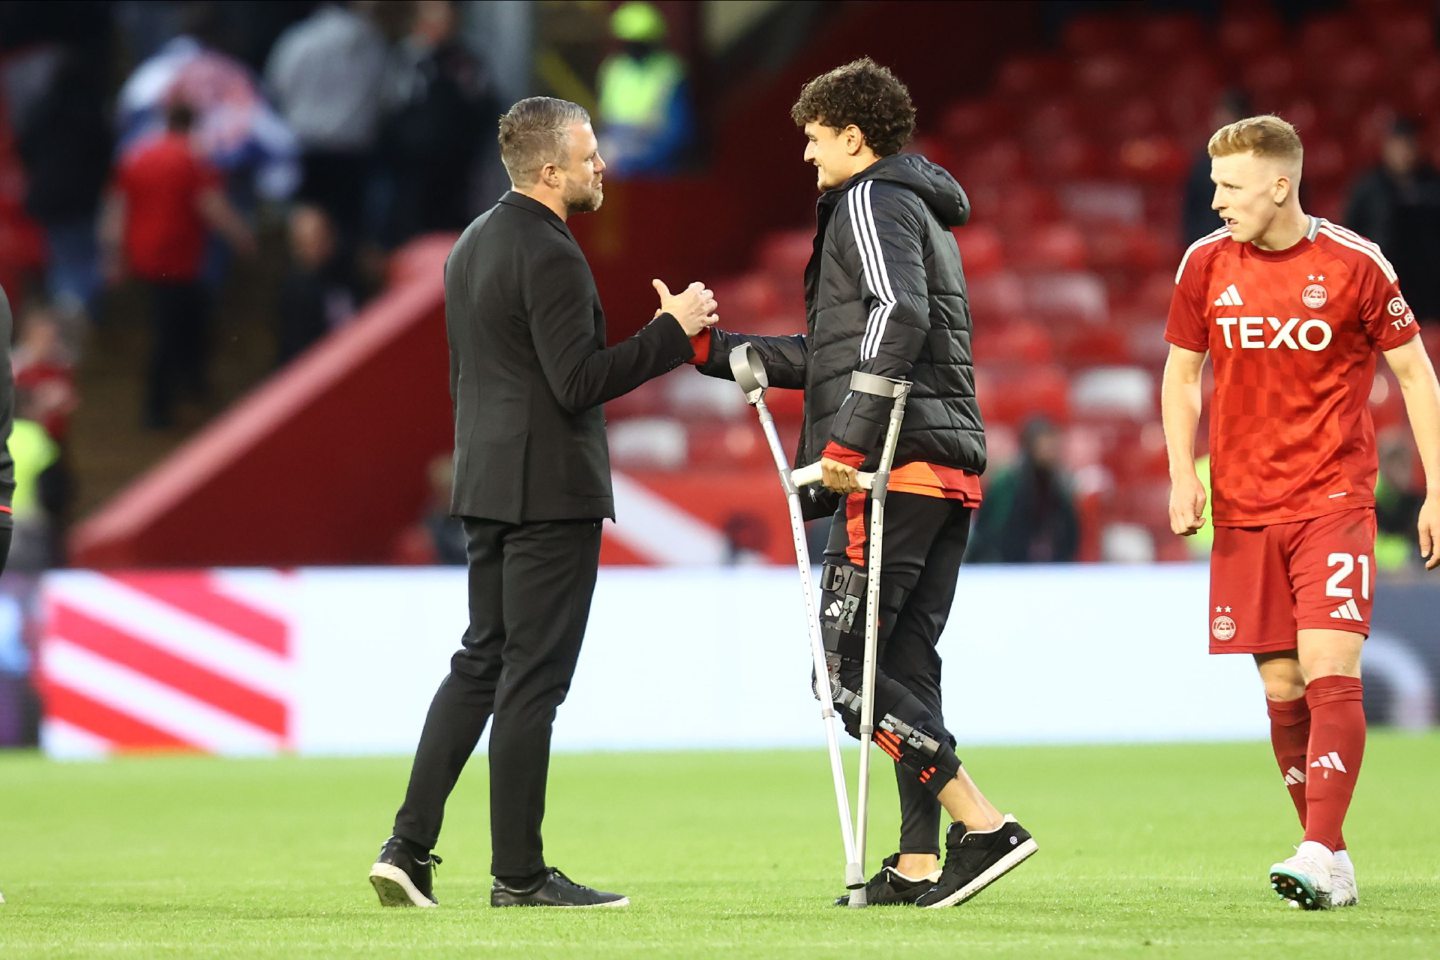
{"x":904,"y":727}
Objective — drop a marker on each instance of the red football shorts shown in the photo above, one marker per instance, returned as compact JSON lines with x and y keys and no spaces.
{"x":1268,"y":582}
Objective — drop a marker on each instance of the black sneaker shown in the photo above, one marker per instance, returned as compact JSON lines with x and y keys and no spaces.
{"x":889,"y":887}
{"x":973,"y":861}
{"x":403,"y":879}
{"x":554,"y":889}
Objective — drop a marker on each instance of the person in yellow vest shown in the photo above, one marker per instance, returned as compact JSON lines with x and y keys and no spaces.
{"x":646,"y":119}
{"x":1397,"y":503}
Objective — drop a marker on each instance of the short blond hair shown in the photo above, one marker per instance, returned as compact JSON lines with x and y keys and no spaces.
{"x":1266,"y":136}
{"x":534,"y":132}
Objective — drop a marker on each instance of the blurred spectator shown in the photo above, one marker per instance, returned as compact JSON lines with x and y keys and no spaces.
{"x":1029,"y":513}
{"x":439,"y":112}
{"x":317,"y":294}
{"x":1197,"y":218}
{"x":157,"y":214}
{"x":647,"y":123}
{"x":235,"y":129}
{"x":65,"y":144}
{"x":327,"y":75}
{"x":44,"y":369}
{"x":1398,"y":499}
{"x":745,"y":536}
{"x":41,"y":491}
{"x":437,"y":537}
{"x":1397,"y":205}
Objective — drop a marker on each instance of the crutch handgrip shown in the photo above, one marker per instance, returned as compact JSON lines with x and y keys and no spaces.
{"x":811,"y":474}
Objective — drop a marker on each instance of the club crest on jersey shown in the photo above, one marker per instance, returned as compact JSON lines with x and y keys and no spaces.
{"x":1314,"y":296}
{"x":1222,"y":628}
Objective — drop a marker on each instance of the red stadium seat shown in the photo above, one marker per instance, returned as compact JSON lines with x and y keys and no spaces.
{"x":1272,"y":78}
{"x":1423,"y":87}
{"x":972,"y":122}
{"x":1131,"y":248}
{"x":1020,"y":206}
{"x":785,"y":254}
{"x":1153,"y":159}
{"x":982,"y":252}
{"x":1089,"y":346}
{"x":746,"y":297}
{"x":1405,"y":34}
{"x":1093,"y":202}
{"x":1022,"y":343}
{"x":1249,"y":31}
{"x":1326,"y":36}
{"x":1069,"y":157}
{"x":1088,"y":35}
{"x":1163,"y":38}
{"x":1138,"y":114}
{"x":1031,"y":76}
{"x":1114,"y":391}
{"x":1011,"y":394}
{"x":997,"y":298}
{"x":1354,"y":70}
{"x":1051,"y":247}
{"x":1107,"y":74}
{"x":998,"y":161}
{"x":1075,"y":296}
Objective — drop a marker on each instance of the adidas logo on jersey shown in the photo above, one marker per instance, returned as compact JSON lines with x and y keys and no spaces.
{"x":1230,"y":298}
{"x":1347,"y":611}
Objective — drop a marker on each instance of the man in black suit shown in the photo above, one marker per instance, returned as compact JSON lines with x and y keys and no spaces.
{"x":529,"y":370}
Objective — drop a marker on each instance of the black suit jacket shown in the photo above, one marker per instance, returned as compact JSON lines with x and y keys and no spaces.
{"x":529,"y":369}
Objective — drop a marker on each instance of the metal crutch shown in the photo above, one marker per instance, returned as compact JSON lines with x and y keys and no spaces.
{"x":750,"y":374}
{"x":898,"y":391}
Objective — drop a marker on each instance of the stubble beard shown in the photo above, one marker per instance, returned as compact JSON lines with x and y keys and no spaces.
{"x":586,"y":199}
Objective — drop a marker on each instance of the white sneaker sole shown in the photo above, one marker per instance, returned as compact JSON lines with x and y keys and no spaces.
{"x":1298,"y":888}
{"x":396,"y":889}
{"x":1001,"y":867}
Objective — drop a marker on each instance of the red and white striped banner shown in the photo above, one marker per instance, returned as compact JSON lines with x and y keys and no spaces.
{"x":196,"y":661}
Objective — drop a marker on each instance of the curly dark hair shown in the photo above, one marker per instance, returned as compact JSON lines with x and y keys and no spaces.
{"x":863,"y":93}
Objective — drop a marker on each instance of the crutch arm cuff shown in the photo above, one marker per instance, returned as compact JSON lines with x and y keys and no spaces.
{"x":843,"y":454}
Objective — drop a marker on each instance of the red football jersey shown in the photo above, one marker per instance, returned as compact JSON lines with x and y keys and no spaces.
{"x":1292,"y":335}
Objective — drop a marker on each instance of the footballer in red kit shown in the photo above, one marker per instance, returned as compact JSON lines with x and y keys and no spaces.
{"x":1292,"y":310}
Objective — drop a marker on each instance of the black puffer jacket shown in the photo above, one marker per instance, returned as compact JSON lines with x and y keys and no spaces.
{"x":884,"y":293}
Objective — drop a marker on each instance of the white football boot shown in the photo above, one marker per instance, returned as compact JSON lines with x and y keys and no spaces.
{"x":1307,"y":877}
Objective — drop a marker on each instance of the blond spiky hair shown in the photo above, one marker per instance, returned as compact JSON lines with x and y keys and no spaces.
{"x":1265,"y":136}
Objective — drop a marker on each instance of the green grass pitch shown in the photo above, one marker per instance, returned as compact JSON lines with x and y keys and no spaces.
{"x":1149,"y":851}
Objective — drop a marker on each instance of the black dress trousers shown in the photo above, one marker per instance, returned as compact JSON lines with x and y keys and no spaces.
{"x":530,"y":590}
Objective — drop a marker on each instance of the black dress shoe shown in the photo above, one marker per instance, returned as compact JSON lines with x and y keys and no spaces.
{"x":402,"y":879}
{"x":554,"y":889}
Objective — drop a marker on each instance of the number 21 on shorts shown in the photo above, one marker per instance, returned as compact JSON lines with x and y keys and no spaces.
{"x":1344,"y":565}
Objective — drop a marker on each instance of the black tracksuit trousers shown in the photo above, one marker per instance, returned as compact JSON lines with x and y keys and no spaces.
{"x":924,"y":542}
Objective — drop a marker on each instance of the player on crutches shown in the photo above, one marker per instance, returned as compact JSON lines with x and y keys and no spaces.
{"x":885,"y":298}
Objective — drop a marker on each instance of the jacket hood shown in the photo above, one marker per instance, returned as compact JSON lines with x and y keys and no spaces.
{"x":930,"y":181}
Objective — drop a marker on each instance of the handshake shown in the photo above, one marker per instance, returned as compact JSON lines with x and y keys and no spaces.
{"x":694,"y":307}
